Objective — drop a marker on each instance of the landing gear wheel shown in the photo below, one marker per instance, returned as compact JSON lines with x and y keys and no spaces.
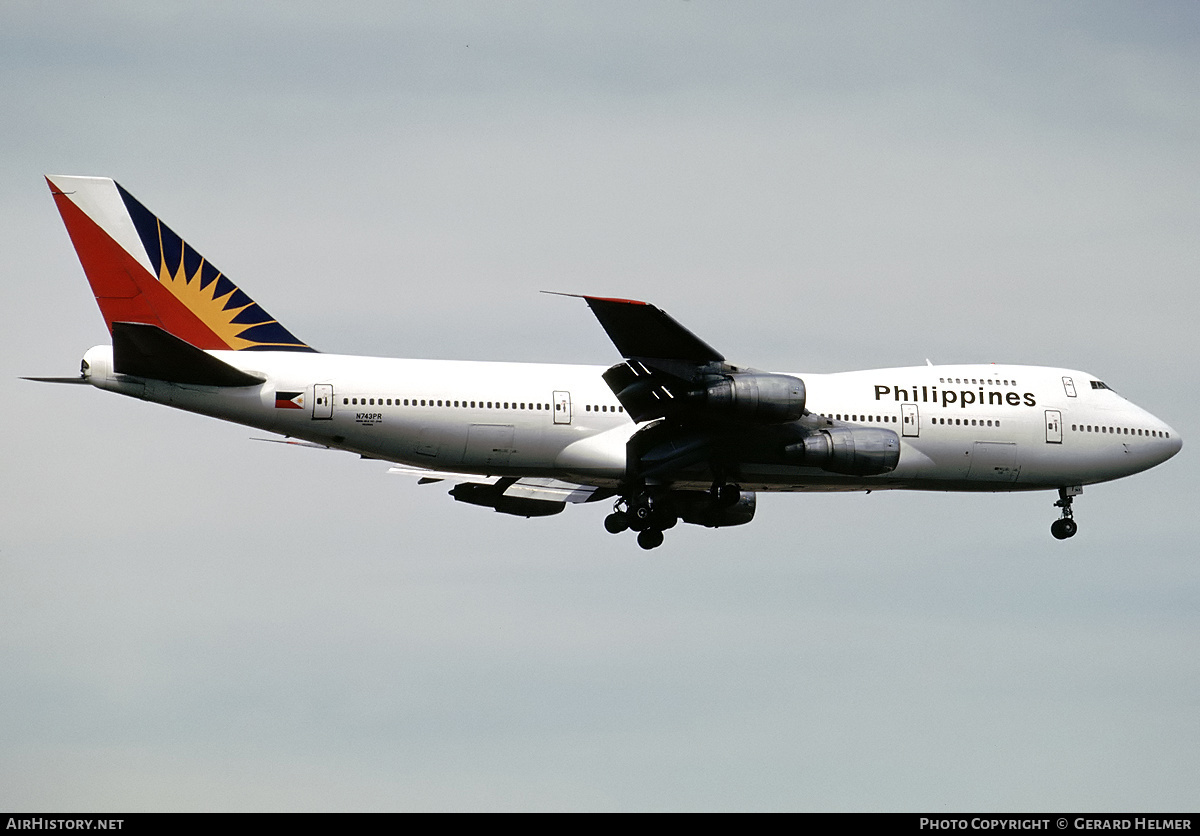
{"x":640,"y":514}
{"x":727,"y":495}
{"x":651,"y":538}
{"x":615,"y":523}
{"x":1064,"y":528}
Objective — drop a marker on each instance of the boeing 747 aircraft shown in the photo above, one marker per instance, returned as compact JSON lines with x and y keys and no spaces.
{"x":672,"y":433}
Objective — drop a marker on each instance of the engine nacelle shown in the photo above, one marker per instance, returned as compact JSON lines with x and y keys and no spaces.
{"x":492,"y":496}
{"x":854,"y":451}
{"x":702,"y":508}
{"x":752,"y":396}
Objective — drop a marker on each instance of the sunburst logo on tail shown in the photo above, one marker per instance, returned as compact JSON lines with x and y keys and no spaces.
{"x":234,"y":318}
{"x":199,"y":298}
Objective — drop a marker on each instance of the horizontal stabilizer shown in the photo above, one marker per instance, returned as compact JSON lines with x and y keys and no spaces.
{"x":295,"y":443}
{"x":148,"y":351}
{"x":76,"y":379}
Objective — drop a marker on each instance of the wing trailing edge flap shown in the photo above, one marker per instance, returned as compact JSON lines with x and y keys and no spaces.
{"x":143,"y":350}
{"x":426,"y":476}
{"x":649,"y":388}
{"x":553,"y":489}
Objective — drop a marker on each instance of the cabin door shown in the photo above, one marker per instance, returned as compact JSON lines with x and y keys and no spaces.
{"x":562,"y":407}
{"x":322,"y":401}
{"x":1053,"y":426}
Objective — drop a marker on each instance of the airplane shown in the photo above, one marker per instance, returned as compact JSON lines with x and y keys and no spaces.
{"x":672,"y":433}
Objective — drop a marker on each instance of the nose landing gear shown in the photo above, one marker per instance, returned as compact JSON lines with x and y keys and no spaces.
{"x":1065,"y":526}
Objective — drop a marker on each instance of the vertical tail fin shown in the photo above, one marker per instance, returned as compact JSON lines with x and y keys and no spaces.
{"x":141,"y":271}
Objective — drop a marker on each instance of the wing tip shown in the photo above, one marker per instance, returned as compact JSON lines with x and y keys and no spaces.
{"x":590,"y":299}
{"x":616,"y":300}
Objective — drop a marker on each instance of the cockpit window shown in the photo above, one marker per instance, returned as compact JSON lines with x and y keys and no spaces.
{"x":1099,"y":384}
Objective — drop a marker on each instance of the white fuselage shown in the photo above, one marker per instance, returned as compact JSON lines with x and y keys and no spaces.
{"x":970,"y":427}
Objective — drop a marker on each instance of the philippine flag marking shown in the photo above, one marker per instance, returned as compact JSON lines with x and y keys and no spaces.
{"x":289,"y":400}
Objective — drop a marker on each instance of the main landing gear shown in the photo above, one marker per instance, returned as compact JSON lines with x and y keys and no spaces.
{"x":650,"y":514}
{"x":1065,"y":526}
{"x":645,"y":516}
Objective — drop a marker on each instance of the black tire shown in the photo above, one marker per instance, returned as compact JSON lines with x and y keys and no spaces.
{"x":615,"y":523}
{"x":1064,"y":528}
{"x":728,"y":495}
{"x":651,"y":538}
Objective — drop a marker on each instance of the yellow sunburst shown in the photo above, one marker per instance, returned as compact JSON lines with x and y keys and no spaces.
{"x":203,"y":302}
{"x":208,"y":308}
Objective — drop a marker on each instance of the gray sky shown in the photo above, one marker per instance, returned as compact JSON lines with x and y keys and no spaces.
{"x":193,"y":620}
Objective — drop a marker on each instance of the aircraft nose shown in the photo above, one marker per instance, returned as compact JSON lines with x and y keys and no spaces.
{"x":1176,"y":441}
{"x":1169,"y":442}
{"x":1166,"y":442}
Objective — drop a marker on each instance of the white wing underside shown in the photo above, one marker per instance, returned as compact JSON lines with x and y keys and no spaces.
{"x":552,"y":490}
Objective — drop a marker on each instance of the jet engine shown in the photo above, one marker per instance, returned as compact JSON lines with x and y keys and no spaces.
{"x":492,"y":496}
{"x":702,"y":508}
{"x":854,"y":451}
{"x":757,"y":397}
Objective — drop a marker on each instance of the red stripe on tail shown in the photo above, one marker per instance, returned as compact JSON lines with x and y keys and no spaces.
{"x":123,"y":289}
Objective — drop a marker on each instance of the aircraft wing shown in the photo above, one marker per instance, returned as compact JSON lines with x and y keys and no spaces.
{"x":641,"y":330}
{"x":699,"y":413}
{"x":524,"y":497}
{"x":671,"y":373}
{"x":427,"y":476}
{"x":554,"y":489}
{"x":664,"y":362}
